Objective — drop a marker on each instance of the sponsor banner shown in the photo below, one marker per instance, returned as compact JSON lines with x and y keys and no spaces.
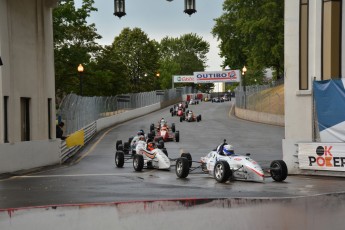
{"x":322,"y":156}
{"x":184,"y":79}
{"x":329,"y":96}
{"x":217,"y":76}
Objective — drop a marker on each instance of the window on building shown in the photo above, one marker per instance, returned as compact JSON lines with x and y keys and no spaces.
{"x":49,"y":118}
{"x":331,"y":39}
{"x":6,"y":119}
{"x":303,"y":42}
{"x":25,"y":118}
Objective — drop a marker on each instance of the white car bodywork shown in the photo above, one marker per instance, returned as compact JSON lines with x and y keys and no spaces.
{"x":156,"y":157}
{"x":242,"y":167}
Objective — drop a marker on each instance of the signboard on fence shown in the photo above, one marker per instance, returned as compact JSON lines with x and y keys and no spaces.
{"x":184,"y":79}
{"x":322,"y":156}
{"x":217,"y":76}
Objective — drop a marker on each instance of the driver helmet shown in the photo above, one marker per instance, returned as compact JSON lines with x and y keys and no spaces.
{"x":228,"y":150}
{"x":150,"y":146}
{"x":190,"y":112}
{"x":141,"y":132}
{"x":142,"y":138}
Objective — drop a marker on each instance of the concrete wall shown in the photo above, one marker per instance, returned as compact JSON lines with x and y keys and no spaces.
{"x":128,"y":115}
{"x":28,"y":155}
{"x":255,"y":116}
{"x":316,"y":213}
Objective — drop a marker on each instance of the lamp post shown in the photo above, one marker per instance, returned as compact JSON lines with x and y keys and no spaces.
{"x":244,"y":70}
{"x":119,"y":8}
{"x":80,"y":70}
{"x":189,"y":7}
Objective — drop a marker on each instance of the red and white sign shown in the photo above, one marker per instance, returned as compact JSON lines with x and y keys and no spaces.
{"x":217,"y":76}
{"x":184,"y":79}
{"x":322,"y":156}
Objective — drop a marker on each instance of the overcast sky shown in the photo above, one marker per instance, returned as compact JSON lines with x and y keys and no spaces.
{"x":160,"y":18}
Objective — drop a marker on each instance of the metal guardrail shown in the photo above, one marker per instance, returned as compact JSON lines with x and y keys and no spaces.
{"x":66,"y":152}
{"x":82,"y":112}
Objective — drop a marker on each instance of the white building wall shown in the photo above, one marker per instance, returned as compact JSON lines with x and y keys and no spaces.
{"x":26,"y":48}
{"x":299,"y":103}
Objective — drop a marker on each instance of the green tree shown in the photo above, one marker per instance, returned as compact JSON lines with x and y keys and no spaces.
{"x":74,"y":43}
{"x":251,"y":33}
{"x":182,"y":56}
{"x":140,"y":55}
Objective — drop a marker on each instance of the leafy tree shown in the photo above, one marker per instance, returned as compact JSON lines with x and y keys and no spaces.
{"x":140,"y":56}
{"x":182,"y":56}
{"x":251,"y":33}
{"x":74,"y":43}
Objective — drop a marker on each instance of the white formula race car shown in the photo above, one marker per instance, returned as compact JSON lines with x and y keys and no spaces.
{"x":157,"y":158}
{"x":234,"y":167}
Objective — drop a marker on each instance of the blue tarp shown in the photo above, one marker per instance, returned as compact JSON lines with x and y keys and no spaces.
{"x":329,"y":96}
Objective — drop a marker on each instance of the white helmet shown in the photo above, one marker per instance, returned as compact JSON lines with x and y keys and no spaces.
{"x":228,"y":150}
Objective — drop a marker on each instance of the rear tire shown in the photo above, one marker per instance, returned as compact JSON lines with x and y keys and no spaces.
{"x":173,"y":127}
{"x":138,"y":162}
{"x":119,"y":159}
{"x":152,"y":127}
{"x":189,"y":158}
{"x":119,"y":142}
{"x":278,"y":170}
{"x":177,"y":136}
{"x":222,"y":171}
{"x":182,"y":167}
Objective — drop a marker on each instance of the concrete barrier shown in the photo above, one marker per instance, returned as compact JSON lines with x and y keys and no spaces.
{"x":316,"y":213}
{"x":267,"y":118}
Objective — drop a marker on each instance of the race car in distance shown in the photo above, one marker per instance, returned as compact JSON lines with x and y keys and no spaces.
{"x":193,"y":101}
{"x":164,"y":133}
{"x":230,"y":167}
{"x":123,"y":154}
{"x":190,"y":117}
{"x":179,"y":109}
{"x":217,"y":99}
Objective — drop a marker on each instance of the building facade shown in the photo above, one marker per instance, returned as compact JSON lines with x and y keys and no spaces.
{"x":314,"y":50}
{"x":27,"y":85}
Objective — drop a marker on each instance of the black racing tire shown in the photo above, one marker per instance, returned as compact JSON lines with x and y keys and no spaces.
{"x":152,"y":127}
{"x":278,"y":170}
{"x":130,"y":140}
{"x":172,"y":114}
{"x":150,"y":135}
{"x":173,"y":127}
{"x":126,"y":146}
{"x":171,"y":110}
{"x":165,"y":152}
{"x":182,"y":167}
{"x":177,"y":136}
{"x":189,"y":158}
{"x":222,"y":171}
{"x":119,"y":159}
{"x":160,"y":144}
{"x":181,"y":119}
{"x":138,"y":162}
{"x":119,"y":147}
{"x":118,"y":142}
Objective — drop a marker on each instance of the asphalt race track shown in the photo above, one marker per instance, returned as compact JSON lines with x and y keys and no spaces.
{"x":94,"y":178}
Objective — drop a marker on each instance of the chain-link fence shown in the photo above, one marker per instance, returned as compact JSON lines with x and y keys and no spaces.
{"x":261,"y":98}
{"x":78,"y":112}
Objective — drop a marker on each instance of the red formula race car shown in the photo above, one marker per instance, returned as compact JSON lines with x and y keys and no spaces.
{"x":163,"y":132}
{"x":190,"y":117}
{"x":179,"y":109}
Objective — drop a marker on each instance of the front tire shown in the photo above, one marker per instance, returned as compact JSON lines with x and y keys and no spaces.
{"x":119,"y":159}
{"x":222,"y":171}
{"x":182,"y":167}
{"x":118,"y":142}
{"x":278,"y":170}
{"x":177,"y":136}
{"x":138,"y":162}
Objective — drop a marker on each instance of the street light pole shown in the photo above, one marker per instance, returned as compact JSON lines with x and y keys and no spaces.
{"x":80,"y":70}
{"x":244,"y":70}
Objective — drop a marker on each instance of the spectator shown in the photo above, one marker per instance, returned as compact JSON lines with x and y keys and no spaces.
{"x":59,"y":131}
